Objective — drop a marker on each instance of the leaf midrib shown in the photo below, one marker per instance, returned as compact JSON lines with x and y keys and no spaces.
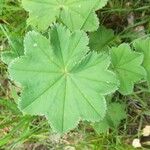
{"x":77,"y":87}
{"x":42,"y":93}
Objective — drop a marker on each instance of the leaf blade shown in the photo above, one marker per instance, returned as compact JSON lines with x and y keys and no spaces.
{"x":72,"y":13}
{"x":127,"y":65}
{"x":53,"y":88}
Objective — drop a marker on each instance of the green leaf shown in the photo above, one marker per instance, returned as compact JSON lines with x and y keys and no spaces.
{"x":143,"y":45}
{"x":60,"y":80}
{"x":75,"y":14}
{"x":15,"y":51}
{"x":100,"y":39}
{"x":115,"y":113}
{"x":102,"y":126}
{"x":127,"y":65}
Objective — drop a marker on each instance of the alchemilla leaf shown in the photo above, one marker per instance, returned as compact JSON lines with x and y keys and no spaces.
{"x":75,"y":14}
{"x":143,"y":45}
{"x":127,"y":65}
{"x":60,"y":80}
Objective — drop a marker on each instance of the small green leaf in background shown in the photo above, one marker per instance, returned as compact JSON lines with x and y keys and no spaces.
{"x":61,"y":81}
{"x":100,"y":39}
{"x":143,"y":45}
{"x":75,"y":14}
{"x":15,"y":51}
{"x":127,"y":65}
{"x":102,"y":126}
{"x":115,"y":113}
{"x":16,"y":46}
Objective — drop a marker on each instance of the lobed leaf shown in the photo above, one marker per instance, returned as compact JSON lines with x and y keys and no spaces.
{"x":127,"y":65}
{"x":75,"y":14}
{"x":60,"y":80}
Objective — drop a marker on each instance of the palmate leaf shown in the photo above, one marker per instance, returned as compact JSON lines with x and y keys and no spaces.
{"x":60,"y":80}
{"x":143,"y":45}
{"x":75,"y":14}
{"x":101,"y":39}
{"x":127,"y":65}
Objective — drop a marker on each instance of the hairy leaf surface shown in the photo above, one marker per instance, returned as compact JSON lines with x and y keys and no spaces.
{"x":143,"y":45}
{"x":60,"y":80}
{"x":75,"y":14}
{"x":127,"y":65}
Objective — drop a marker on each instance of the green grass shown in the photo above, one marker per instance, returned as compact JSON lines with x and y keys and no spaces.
{"x":18,"y":131}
